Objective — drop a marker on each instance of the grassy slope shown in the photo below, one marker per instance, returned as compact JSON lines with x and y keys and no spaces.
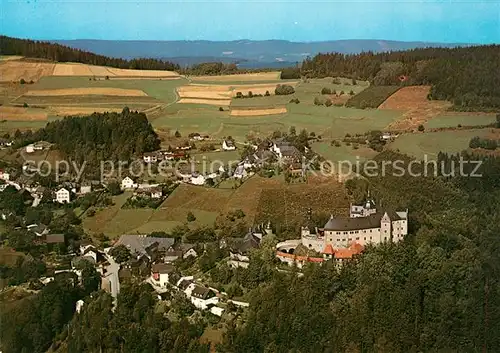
{"x":464,"y":120}
{"x":431,"y":143}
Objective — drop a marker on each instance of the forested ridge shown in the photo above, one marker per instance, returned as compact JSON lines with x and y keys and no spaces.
{"x":466,"y":76}
{"x":438,"y":291}
{"x":62,"y":53}
{"x":100,"y":136}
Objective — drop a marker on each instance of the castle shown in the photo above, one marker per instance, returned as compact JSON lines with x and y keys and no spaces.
{"x":366,"y":225}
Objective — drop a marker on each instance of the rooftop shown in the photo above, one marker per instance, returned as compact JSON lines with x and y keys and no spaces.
{"x":140,"y":243}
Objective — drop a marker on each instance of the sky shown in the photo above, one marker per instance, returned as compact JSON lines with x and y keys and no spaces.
{"x":432,"y":21}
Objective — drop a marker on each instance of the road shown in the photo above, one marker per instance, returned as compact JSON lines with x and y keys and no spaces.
{"x":112,"y":274}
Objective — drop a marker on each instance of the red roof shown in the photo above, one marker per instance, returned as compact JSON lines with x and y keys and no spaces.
{"x":357,"y":247}
{"x":328,"y":250}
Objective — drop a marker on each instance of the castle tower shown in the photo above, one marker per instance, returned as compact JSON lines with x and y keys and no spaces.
{"x":385,"y":228}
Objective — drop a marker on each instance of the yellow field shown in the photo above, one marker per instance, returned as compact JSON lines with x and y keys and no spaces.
{"x":219,"y":102}
{"x":205,"y":92}
{"x":86,"y":91}
{"x":258,"y":112}
{"x":74,"y":69}
{"x":21,"y":114}
{"x":12,"y":70}
{"x":65,"y":111}
{"x":260,"y":76}
{"x":10,"y":57}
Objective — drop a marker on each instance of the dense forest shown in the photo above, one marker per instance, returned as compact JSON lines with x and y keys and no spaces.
{"x":100,"y":136}
{"x":57,"y":52}
{"x":438,"y":291}
{"x":466,"y":76}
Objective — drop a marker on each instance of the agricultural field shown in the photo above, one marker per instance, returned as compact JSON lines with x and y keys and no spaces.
{"x":371,"y":97}
{"x":258,"y":111}
{"x":412,"y":100}
{"x":343,"y":152}
{"x":15,"y":70}
{"x":463,"y":119}
{"x":243,"y":78}
{"x":431,"y":143}
{"x":291,"y":202}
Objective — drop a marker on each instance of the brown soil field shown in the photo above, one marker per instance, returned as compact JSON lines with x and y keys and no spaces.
{"x":219,"y":102}
{"x":12,"y":70}
{"x":21,"y":114}
{"x":258,"y":112}
{"x":204,"y":92}
{"x":419,"y":109}
{"x":94,"y":91}
{"x":260,"y":76}
{"x":195,"y":197}
{"x":142,"y":73}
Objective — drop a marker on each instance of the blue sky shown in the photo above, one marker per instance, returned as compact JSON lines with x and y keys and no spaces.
{"x":435,"y":21}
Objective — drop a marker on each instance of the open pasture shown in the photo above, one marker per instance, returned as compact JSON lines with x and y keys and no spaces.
{"x":430,"y":144}
{"x":463,"y":119}
{"x":343,"y":152}
{"x":163,"y":90}
{"x":331,"y":122}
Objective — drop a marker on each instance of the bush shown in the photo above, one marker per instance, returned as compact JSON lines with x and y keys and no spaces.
{"x":294,"y":100}
{"x":354,"y":82}
{"x":283,"y":90}
{"x":326,"y":90}
{"x":328,"y":102}
{"x":250,"y":94}
{"x":421,"y":128}
{"x":239,"y":95}
{"x":267,"y":94}
{"x":336,"y":81}
{"x":25,"y":105}
{"x":351,"y":92}
{"x":22,"y":81}
{"x":177,"y":134}
{"x":318,"y":101}
{"x":190,"y":217}
{"x":221,"y":109}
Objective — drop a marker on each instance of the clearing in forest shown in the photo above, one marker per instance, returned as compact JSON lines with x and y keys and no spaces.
{"x":419,"y":109}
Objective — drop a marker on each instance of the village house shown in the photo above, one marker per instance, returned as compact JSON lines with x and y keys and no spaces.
{"x":197,"y":179}
{"x":150,"y":157}
{"x":228,"y":145}
{"x":85,"y":189}
{"x":4,"y":175}
{"x":180,"y":250}
{"x":37,"y":146}
{"x":5,"y":143}
{"x":38,"y":229}
{"x":160,"y":274}
{"x":142,"y":245}
{"x":239,"y":250}
{"x":203,"y":298}
{"x":127,"y":184}
{"x":62,"y":196}
{"x":295,"y":169}
{"x":156,"y":192}
{"x":240,"y":172}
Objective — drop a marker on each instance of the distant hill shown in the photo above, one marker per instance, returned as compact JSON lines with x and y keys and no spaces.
{"x":255,"y":53}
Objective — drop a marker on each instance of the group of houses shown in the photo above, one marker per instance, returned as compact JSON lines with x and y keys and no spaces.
{"x":342,"y":238}
{"x":154,"y":191}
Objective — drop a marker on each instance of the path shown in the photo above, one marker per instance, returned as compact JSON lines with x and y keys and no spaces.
{"x":112,"y":274}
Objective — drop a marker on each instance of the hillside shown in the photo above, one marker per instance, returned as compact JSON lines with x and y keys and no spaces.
{"x":464,"y":76}
{"x":61,"y":53}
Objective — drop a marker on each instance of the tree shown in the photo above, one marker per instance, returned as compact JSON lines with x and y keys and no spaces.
{"x":421,"y":128}
{"x":114,"y":188}
{"x":221,"y":109}
{"x":354,"y":82}
{"x":120,"y":253}
{"x":177,"y":134}
{"x":239,"y":95}
{"x":284,"y":90}
{"x":292,"y":130}
{"x":267,"y":94}
{"x":326,"y":90}
{"x":318,"y":101}
{"x":250,"y":94}
{"x":351,"y":93}
{"x":328,"y":102}
{"x":190,"y":217}
{"x":22,"y":81}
